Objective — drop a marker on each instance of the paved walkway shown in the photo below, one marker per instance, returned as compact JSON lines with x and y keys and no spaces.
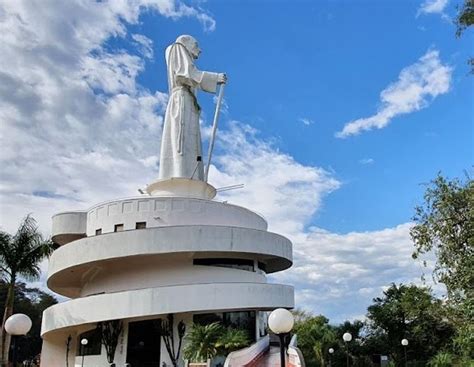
{"x":270,"y":359}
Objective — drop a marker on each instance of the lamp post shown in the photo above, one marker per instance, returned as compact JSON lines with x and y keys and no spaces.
{"x":281,"y":322}
{"x":405,"y":343}
{"x":84,"y":342}
{"x":331,"y":351}
{"x":17,"y":324}
{"x":347,"y":337}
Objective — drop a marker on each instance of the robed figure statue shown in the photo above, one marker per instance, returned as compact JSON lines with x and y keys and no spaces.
{"x":181,"y":152}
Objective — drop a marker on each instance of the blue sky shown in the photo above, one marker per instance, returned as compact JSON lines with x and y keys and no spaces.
{"x":307,"y":83}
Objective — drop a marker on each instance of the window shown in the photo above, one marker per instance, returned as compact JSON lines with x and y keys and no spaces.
{"x":98,"y":231}
{"x":140,"y":225}
{"x":93,"y":346}
{"x":242,"y":264}
{"x":262,"y":267}
{"x":118,"y":228}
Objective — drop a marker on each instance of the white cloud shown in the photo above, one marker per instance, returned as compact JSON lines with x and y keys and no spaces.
{"x":367,"y":161}
{"x":334,"y":274}
{"x":433,"y":7}
{"x":306,"y":121}
{"x":145,"y":45}
{"x":286,"y":192}
{"x":416,"y":87}
{"x":340,"y":274}
{"x":76,"y":127}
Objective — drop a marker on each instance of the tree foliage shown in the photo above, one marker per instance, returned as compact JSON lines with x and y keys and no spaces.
{"x":411,"y":312}
{"x":205,"y":342}
{"x":445,"y":226}
{"x":315,"y":337}
{"x":201,"y":342}
{"x":464,"y":19}
{"x":32,"y":302}
{"x":20,"y":255}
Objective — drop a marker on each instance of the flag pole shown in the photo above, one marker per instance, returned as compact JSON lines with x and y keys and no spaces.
{"x":214,"y":130}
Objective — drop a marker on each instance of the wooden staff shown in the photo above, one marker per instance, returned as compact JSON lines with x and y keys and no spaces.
{"x":214,"y":130}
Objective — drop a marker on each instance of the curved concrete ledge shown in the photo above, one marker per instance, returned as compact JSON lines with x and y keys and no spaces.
{"x":164,"y":300}
{"x":69,"y":226}
{"x":180,"y":186}
{"x":169,"y":211}
{"x":85,"y":254}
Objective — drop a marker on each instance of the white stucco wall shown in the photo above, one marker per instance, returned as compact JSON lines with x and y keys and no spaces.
{"x":71,"y":265}
{"x":163,"y":211}
{"x":69,"y":226}
{"x":165,"y":300}
{"x":159,"y":272}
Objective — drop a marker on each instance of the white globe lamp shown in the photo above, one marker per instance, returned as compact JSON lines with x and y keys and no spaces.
{"x":405,"y":343}
{"x":281,"y":322}
{"x":18,"y":324}
{"x":331,"y":351}
{"x":347,"y":337}
{"x":84,"y":342}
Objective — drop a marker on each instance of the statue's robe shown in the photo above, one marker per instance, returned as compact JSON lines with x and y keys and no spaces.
{"x":181,"y":151}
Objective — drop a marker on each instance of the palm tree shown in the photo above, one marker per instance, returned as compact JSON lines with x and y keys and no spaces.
{"x":20,"y":255}
{"x":232,"y":339}
{"x":202,"y":342}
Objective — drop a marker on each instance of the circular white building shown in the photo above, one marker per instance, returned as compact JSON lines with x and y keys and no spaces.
{"x":174,"y":251}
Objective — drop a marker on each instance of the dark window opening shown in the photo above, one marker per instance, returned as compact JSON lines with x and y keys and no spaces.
{"x":244,"y":320}
{"x":262,"y":266}
{"x":241,"y":264}
{"x":93,"y":346}
{"x":98,"y":231}
{"x":118,"y":228}
{"x":144,"y":343}
{"x":140,"y":225}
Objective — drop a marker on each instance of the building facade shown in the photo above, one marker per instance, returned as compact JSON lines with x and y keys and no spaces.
{"x":173,"y":251}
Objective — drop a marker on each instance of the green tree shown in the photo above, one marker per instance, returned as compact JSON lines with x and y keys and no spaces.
{"x":441,"y":359}
{"x":358,"y":354}
{"x":32,"y":302}
{"x":201,"y":342}
{"x":464,"y":19}
{"x":232,"y":339}
{"x":20,"y":255}
{"x":315,"y":337}
{"x":445,"y":227}
{"x":411,"y":312}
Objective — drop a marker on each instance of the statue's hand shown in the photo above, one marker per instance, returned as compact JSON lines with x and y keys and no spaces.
{"x":221,"y":78}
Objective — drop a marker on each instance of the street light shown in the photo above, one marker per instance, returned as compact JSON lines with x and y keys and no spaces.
{"x":17,"y":324}
{"x":347,"y":337}
{"x":405,"y":343}
{"x":331,"y":351}
{"x":84,"y":342}
{"x":281,"y":322}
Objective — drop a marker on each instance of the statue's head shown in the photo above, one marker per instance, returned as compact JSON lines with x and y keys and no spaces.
{"x":190,"y":43}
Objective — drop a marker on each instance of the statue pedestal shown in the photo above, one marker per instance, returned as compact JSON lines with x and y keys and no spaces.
{"x":182,"y":187}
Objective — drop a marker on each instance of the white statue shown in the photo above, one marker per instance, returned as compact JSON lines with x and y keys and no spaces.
{"x":181,"y":154}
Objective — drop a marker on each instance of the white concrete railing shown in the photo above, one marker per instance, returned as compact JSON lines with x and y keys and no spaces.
{"x":295,"y":357}
{"x":242,"y":357}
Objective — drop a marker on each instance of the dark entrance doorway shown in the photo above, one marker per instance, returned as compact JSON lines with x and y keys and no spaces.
{"x":144,"y":343}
